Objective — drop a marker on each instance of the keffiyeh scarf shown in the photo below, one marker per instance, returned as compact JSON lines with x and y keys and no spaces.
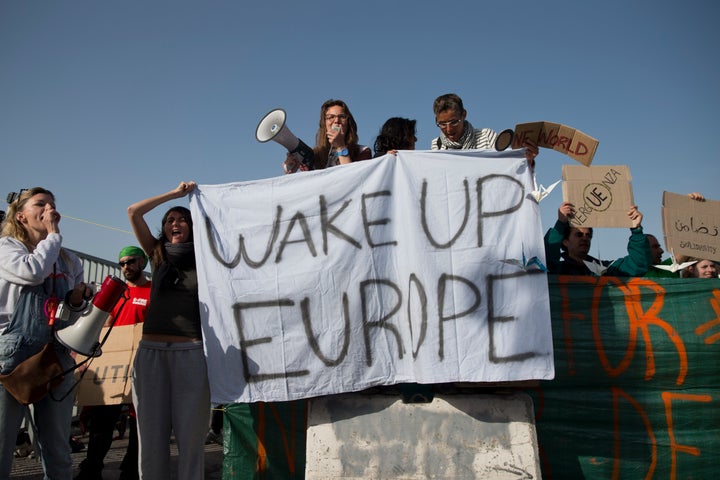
{"x":466,"y":142}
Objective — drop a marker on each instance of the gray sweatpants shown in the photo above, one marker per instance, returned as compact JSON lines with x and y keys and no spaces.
{"x":171,"y":394}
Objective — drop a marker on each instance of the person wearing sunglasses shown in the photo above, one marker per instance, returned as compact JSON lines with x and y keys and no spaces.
{"x":567,"y":248}
{"x":101,"y":419}
{"x":337,"y":139}
{"x":457,"y":133}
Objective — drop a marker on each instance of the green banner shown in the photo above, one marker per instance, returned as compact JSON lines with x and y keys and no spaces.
{"x":264,"y":440}
{"x":636,"y":391}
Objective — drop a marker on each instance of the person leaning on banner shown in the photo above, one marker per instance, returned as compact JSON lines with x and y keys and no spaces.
{"x":170,"y":386}
{"x":567,"y":248}
{"x":457,"y":133}
{"x":399,"y":134}
{"x":36,"y":273}
{"x":395,"y":134}
{"x":657,"y":253}
{"x":704,"y":268}
{"x":337,"y":139}
{"x":102,"y":418}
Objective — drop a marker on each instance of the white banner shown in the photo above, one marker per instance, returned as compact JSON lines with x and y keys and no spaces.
{"x":407,"y":268}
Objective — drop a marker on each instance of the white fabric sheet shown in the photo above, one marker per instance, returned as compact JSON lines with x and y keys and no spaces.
{"x":384,"y":271}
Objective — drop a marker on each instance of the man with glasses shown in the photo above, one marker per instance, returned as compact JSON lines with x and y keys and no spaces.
{"x":103,"y":418}
{"x":567,"y":248}
{"x":456,"y":133}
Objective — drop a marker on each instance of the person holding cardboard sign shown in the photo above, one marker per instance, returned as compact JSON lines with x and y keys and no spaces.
{"x":102,"y":418}
{"x":567,"y":248}
{"x":681,"y":266}
{"x":703,"y":268}
{"x":657,"y":253}
{"x":456,"y":133}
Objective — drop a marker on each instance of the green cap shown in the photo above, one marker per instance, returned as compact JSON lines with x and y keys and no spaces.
{"x":133,"y":251}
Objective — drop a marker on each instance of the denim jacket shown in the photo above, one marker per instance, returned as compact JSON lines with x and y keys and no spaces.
{"x":29,"y":329}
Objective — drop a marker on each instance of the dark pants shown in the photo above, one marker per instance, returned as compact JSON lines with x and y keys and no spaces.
{"x":216,"y":421}
{"x":101,"y":426}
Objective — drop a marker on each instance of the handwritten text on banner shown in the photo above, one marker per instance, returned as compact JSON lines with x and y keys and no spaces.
{"x":379,"y":272}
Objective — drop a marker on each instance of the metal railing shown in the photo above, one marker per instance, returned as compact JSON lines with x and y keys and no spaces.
{"x":96,"y":269}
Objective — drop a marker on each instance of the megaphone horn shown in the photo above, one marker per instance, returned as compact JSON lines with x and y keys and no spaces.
{"x":83,"y":336}
{"x":273,"y":127}
{"x":504,"y":139}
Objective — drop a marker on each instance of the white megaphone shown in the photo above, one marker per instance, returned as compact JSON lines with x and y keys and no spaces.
{"x":272,"y":127}
{"x":83,"y":336}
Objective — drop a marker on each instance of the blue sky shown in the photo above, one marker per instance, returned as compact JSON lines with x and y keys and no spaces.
{"x":107,"y":102}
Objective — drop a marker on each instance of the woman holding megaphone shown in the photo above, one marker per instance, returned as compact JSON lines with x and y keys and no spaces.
{"x":36,"y":273}
{"x":337,"y":138}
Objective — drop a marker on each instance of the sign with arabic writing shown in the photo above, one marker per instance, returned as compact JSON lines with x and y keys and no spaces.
{"x":691,"y":227}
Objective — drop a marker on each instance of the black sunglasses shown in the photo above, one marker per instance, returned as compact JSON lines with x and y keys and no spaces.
{"x":127,"y":262}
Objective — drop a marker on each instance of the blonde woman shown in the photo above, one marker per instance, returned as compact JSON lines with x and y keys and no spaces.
{"x":36,"y":273}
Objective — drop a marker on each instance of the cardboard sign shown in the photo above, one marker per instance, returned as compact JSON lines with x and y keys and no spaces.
{"x":556,"y":136}
{"x":690,"y":227}
{"x":108,"y":379}
{"x":602,"y":195}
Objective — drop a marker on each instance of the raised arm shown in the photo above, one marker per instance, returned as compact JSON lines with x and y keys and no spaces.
{"x":554,"y":237}
{"x":137,"y":211}
{"x":639,"y":258}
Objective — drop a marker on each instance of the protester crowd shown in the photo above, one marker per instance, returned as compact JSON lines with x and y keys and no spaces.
{"x":171,"y":394}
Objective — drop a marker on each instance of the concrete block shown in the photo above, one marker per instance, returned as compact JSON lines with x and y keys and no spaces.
{"x":488,"y":436}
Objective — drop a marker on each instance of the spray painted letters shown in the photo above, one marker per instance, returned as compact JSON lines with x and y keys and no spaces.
{"x":375,"y":273}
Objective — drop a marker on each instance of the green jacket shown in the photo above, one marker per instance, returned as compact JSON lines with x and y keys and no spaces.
{"x":660,"y":273}
{"x":635,"y":264}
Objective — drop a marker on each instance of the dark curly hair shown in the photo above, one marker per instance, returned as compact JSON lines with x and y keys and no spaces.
{"x":396,"y":134}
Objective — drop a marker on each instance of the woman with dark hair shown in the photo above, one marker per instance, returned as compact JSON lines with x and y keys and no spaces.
{"x":36,"y":273}
{"x":336,"y":142}
{"x":703,"y":268}
{"x":396,"y":134}
{"x":171,"y":392}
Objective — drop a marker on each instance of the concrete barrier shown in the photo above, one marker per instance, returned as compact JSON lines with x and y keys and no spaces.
{"x":488,"y":436}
